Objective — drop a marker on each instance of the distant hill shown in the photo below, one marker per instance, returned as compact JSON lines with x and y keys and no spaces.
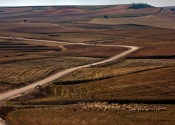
{"x":139,"y":6}
{"x":71,"y":14}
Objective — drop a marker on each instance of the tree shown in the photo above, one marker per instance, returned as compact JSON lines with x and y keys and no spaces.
{"x":106,"y":17}
{"x":25,"y":21}
{"x":172,"y":9}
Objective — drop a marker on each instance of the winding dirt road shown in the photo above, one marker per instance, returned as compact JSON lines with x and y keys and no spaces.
{"x":17,"y":92}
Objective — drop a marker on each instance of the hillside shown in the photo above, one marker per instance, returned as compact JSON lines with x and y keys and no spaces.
{"x":141,"y":14}
{"x":69,"y":14}
{"x":139,"y":6}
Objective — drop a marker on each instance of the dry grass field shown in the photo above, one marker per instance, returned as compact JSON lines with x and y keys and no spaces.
{"x":160,"y":20}
{"x":134,"y":80}
{"x":70,"y":14}
{"x":23,"y":62}
{"x":145,"y":77}
{"x":64,"y":116}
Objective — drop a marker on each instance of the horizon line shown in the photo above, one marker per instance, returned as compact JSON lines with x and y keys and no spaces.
{"x":74,"y":5}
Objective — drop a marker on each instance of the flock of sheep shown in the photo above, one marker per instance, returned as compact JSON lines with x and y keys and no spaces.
{"x":104,"y":106}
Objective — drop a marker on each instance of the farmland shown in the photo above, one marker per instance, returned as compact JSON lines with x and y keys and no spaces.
{"x":37,"y":42}
{"x":22,"y":63}
{"x":65,"y":116}
{"x":115,"y":83}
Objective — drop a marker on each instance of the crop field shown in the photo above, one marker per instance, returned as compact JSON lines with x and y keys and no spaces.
{"x":137,"y":89}
{"x":90,"y":51}
{"x":25,"y":72}
{"x":65,"y":116}
{"x":149,"y":75}
{"x":56,"y":32}
{"x":70,"y":14}
{"x":127,"y":66}
{"x":156,"y":52}
{"x":150,"y":20}
{"x":21,"y":62}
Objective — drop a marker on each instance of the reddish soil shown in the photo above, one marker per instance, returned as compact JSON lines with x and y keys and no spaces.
{"x":89,"y":51}
{"x":158,"y":51}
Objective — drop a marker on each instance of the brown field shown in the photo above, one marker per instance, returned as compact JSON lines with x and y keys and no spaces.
{"x":145,"y":77}
{"x":90,"y":51}
{"x":21,"y":73}
{"x":70,"y":14}
{"x":140,"y":80}
{"x":21,"y":62}
{"x":158,"y":51}
{"x":63,"y":116}
{"x":123,"y":67}
{"x":155,"y":20}
{"x":147,"y":20}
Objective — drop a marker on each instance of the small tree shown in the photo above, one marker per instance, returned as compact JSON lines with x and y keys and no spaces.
{"x":172,"y":9}
{"x":106,"y":17}
{"x":25,"y":21}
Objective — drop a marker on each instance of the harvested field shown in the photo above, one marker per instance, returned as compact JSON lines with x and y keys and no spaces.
{"x":16,"y":58}
{"x":52,"y":32}
{"x":90,"y":51}
{"x":126,"y":81}
{"x":65,"y":116}
{"x":107,"y":27}
{"x":18,"y":46}
{"x":123,"y":67}
{"x":27,"y":71}
{"x":135,"y":90}
{"x":155,"y":52}
{"x":101,"y":73}
{"x":25,"y":62}
{"x":70,"y":14}
{"x":150,"y":20}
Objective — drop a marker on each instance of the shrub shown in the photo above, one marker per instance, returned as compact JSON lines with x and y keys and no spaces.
{"x":106,"y":17}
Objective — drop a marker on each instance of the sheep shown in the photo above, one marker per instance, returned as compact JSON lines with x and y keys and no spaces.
{"x":104,"y":106}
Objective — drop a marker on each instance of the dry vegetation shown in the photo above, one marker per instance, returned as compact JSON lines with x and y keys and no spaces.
{"x":70,"y":14}
{"x":146,"y":76}
{"x":22,"y":62}
{"x":90,"y":51}
{"x":64,"y":116}
{"x":149,"y":20}
{"x":22,"y":73}
{"x":128,"y":80}
{"x":25,"y":62}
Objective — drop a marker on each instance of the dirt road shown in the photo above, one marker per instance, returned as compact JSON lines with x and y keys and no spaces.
{"x":18,"y":92}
